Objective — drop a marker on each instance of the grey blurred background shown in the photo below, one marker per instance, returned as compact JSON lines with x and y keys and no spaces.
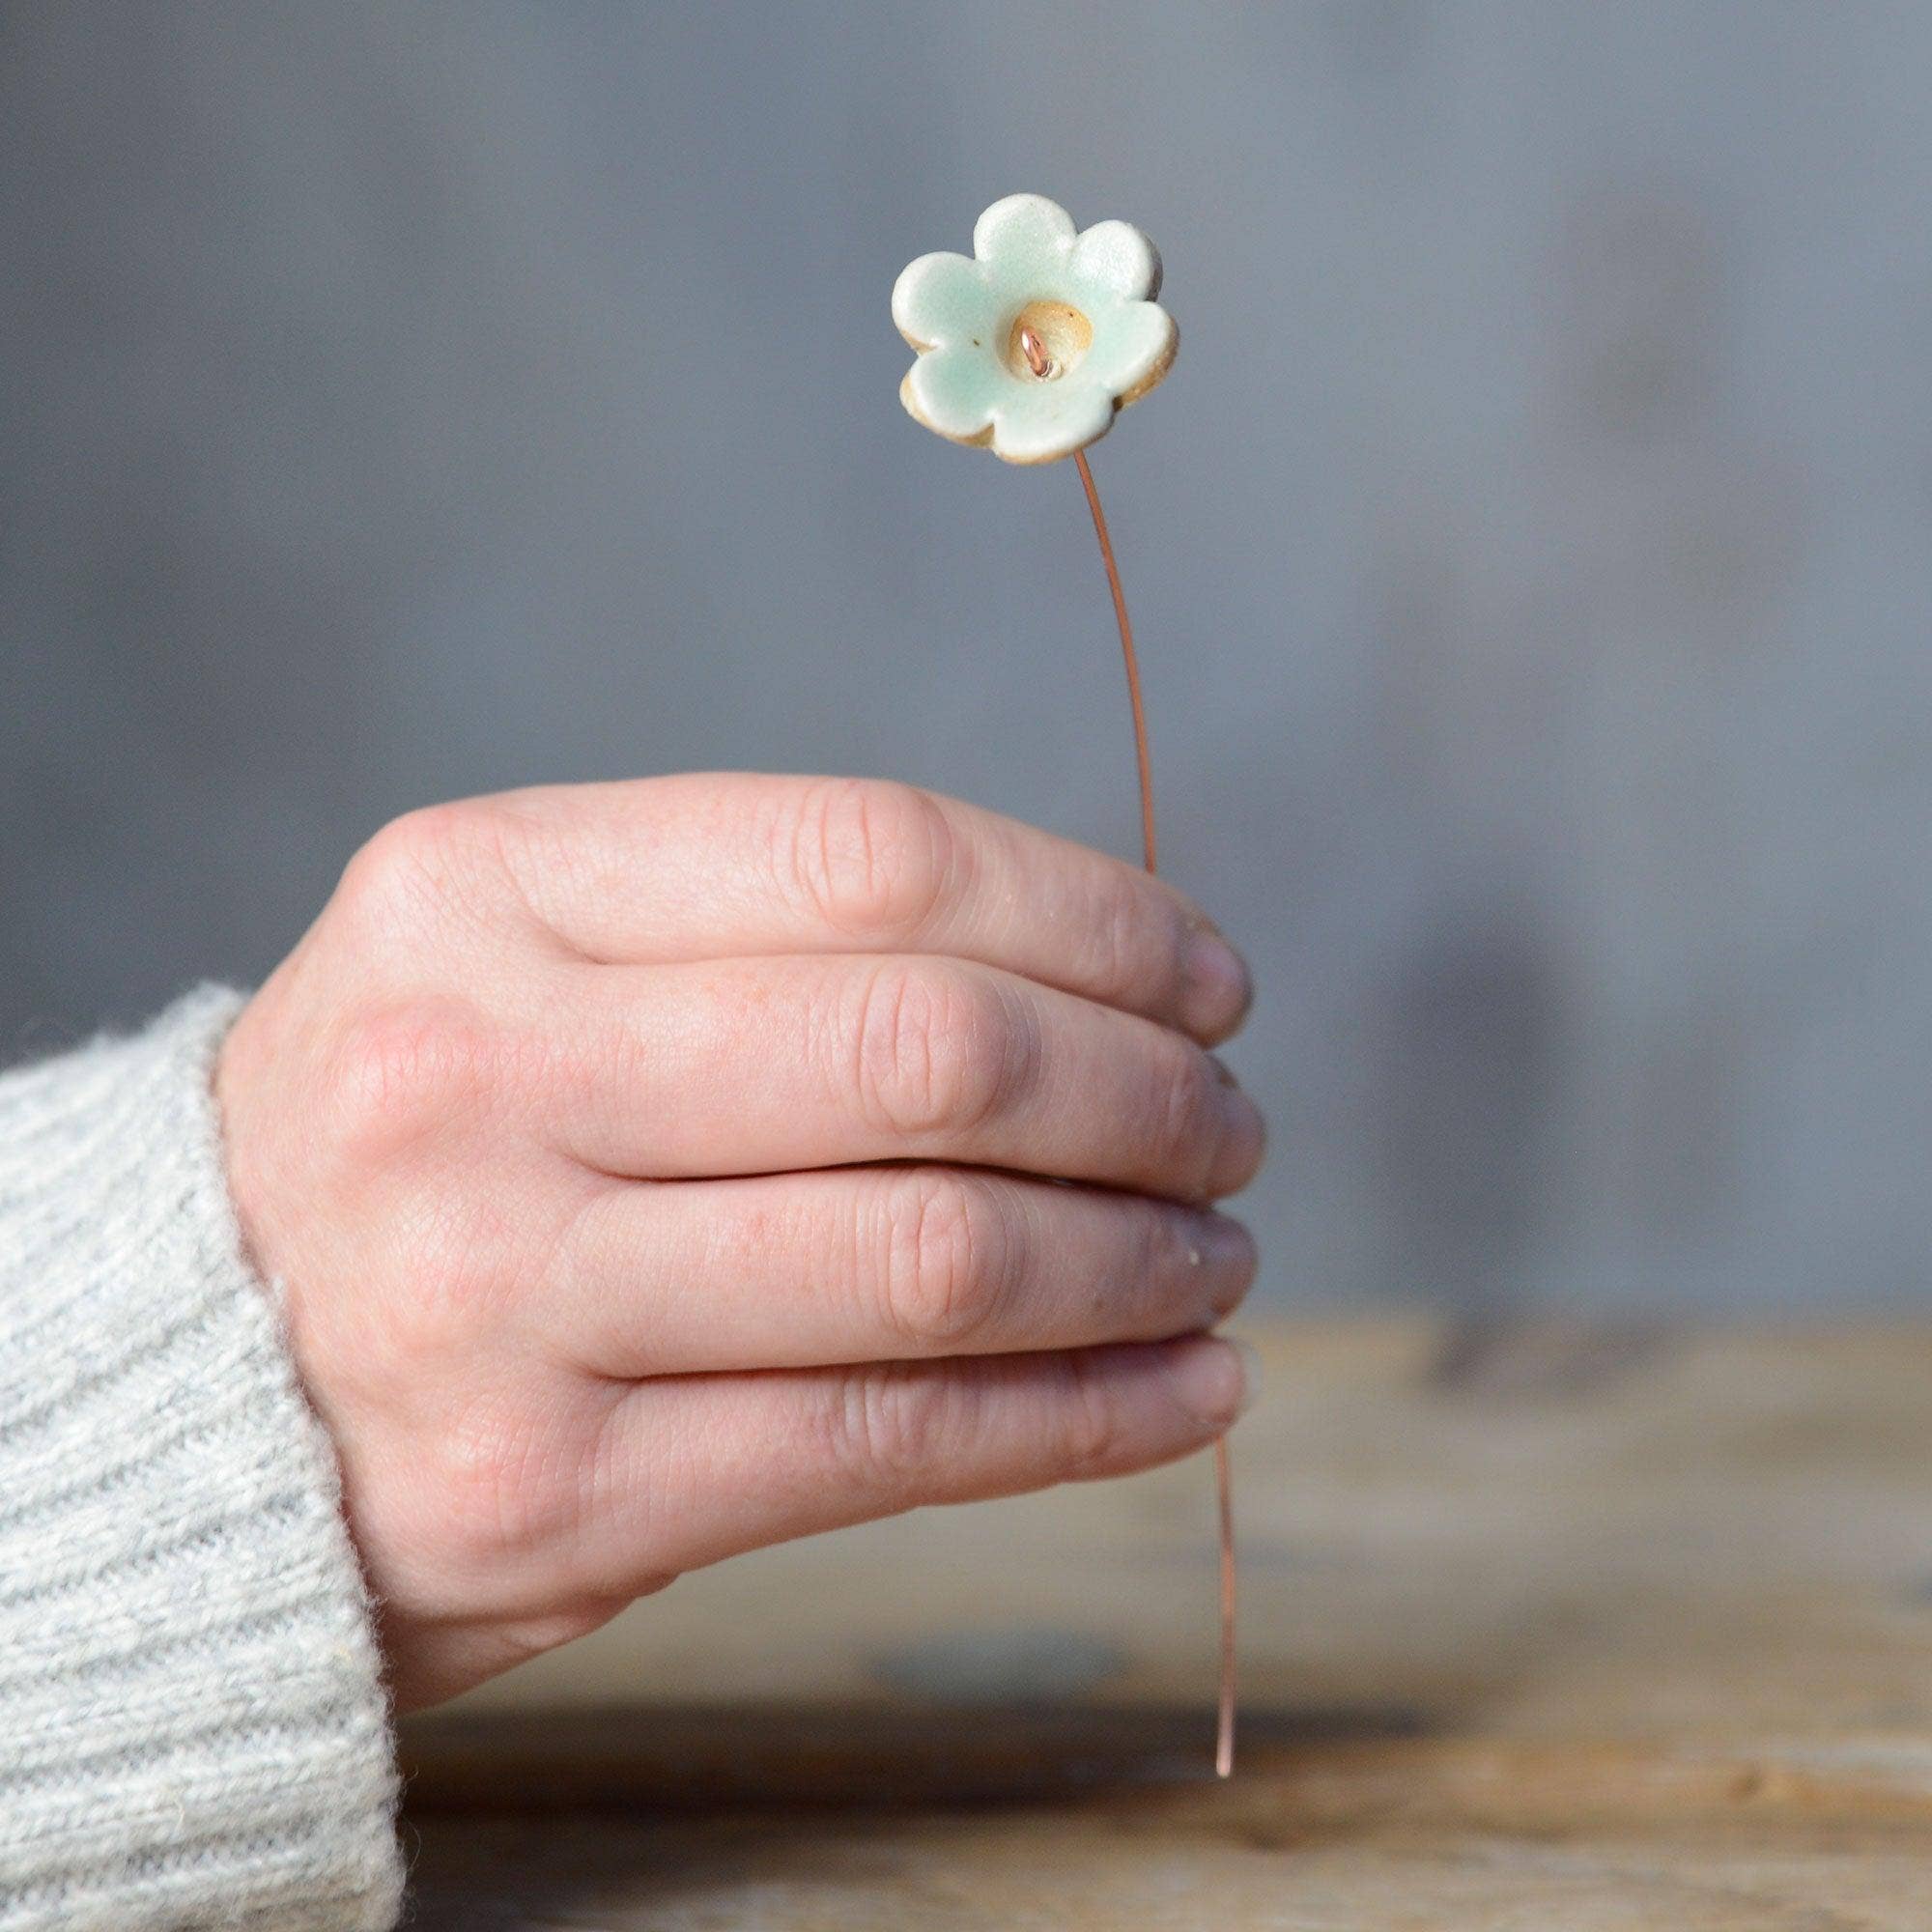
{"x":1531,"y":552}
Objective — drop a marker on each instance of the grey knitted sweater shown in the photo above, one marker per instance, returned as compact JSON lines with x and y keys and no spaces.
{"x":192,"y":1727}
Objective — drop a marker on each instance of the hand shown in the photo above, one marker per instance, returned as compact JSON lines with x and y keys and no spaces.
{"x":654,"y":1171}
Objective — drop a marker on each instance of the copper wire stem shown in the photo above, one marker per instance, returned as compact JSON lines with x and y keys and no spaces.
{"x":1141,"y":754}
{"x":1224,"y":1476}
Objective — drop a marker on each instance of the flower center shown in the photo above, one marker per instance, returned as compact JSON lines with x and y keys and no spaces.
{"x":1048,"y":339}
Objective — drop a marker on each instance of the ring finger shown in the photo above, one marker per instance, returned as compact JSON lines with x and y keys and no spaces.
{"x":883,"y":1264}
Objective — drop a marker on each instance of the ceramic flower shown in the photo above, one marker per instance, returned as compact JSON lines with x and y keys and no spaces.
{"x":1032,"y":341}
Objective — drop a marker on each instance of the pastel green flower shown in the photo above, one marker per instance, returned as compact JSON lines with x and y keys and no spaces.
{"x":1033,"y":290}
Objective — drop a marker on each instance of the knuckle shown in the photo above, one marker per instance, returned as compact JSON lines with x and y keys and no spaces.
{"x":402,"y":1069}
{"x":872,"y":858}
{"x":503,"y":1481}
{"x":409,"y":857}
{"x":938,"y":1052}
{"x":1090,"y":1422}
{"x":423,"y":865}
{"x":895,"y":1426}
{"x":455,"y":1264}
{"x":1119,"y":941}
{"x":947,"y":1266}
{"x":530,"y":850}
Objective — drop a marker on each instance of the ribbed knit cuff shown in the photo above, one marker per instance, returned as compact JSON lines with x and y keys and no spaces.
{"x":192,"y":1726}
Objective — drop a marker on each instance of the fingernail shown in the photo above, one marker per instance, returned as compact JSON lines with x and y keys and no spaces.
{"x":1217,"y":986}
{"x":1243,"y":1143}
{"x":1215,"y":1379}
{"x":1226,"y":1250}
{"x":1227,"y":1242}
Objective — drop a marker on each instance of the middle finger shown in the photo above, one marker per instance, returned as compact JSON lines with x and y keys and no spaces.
{"x":771,"y":1065}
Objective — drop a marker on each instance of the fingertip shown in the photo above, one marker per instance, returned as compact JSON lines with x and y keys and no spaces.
{"x":1213,"y":1380}
{"x":1243,"y":1144}
{"x":1230,"y":1251}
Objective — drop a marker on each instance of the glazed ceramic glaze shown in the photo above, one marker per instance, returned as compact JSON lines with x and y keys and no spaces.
{"x":1086,"y":300}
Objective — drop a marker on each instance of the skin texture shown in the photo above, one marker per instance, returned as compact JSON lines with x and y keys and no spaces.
{"x":658,"y":1169}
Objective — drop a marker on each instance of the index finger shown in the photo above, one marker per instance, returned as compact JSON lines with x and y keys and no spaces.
{"x":724,"y":865}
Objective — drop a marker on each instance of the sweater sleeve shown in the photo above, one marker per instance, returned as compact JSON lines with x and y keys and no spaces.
{"x":192,"y":1725}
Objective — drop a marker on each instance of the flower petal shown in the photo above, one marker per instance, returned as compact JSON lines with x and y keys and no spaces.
{"x":1039,"y":422}
{"x":940,"y":299}
{"x":1116,"y":256}
{"x":1024,"y":235}
{"x":1133,"y":348}
{"x":953,"y":391}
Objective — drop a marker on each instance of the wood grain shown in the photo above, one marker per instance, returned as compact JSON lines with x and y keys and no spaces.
{"x":1551,"y":1626}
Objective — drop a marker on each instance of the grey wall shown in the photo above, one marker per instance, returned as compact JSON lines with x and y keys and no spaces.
{"x":1531,"y":551}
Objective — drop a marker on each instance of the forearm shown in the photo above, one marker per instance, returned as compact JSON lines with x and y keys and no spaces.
{"x":192,"y":1727}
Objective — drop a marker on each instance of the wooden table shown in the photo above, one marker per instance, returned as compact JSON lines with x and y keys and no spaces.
{"x":1553,"y":1628}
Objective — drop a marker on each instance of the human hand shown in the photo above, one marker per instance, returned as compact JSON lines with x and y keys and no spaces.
{"x":658,"y":1169}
